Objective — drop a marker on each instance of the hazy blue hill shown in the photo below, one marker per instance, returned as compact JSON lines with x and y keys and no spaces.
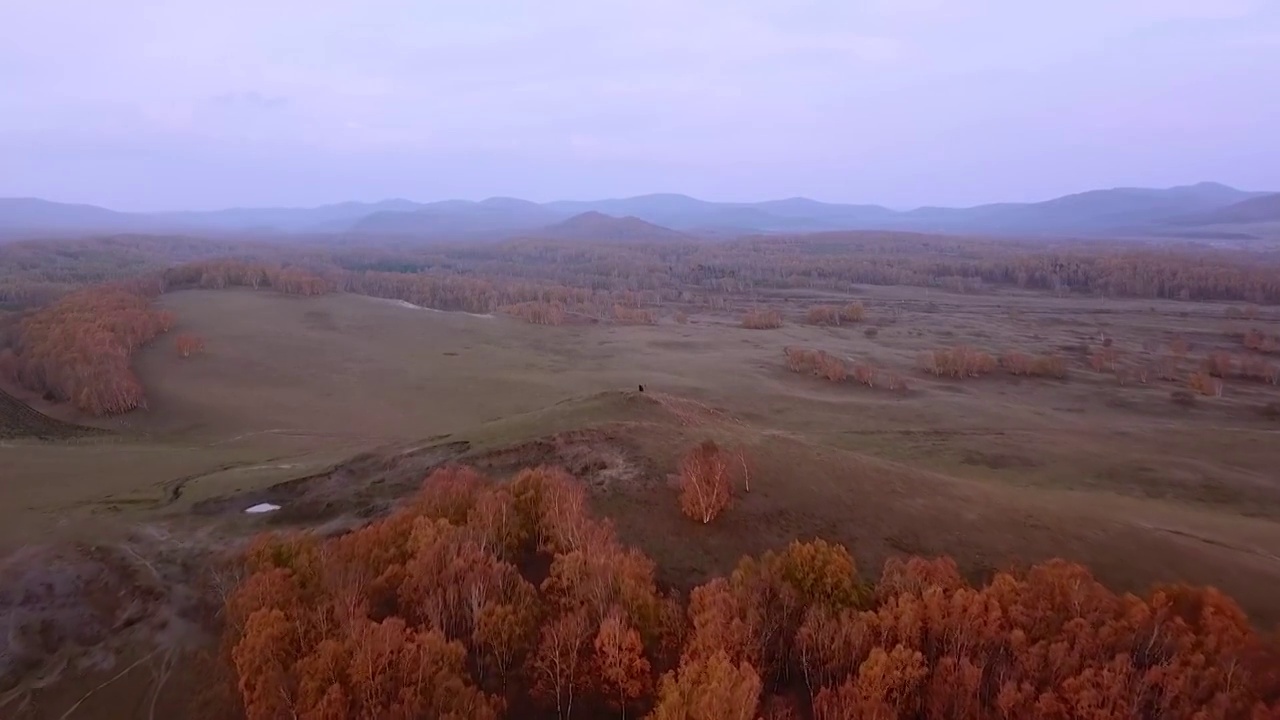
{"x":1087,"y":212}
{"x":685,"y":213}
{"x":335,"y":217}
{"x":826,"y":213}
{"x":1259,"y":209}
{"x":34,"y":214}
{"x":460,"y":216}
{"x":1096,"y":212}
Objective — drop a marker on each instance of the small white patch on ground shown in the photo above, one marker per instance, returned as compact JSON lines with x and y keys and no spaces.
{"x":407,"y":304}
{"x":262,"y":508}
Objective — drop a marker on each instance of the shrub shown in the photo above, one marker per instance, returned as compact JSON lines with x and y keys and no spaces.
{"x":823,"y":315}
{"x":864,"y":374}
{"x":1104,"y":359}
{"x":1218,"y":364}
{"x":799,"y":359}
{"x":1256,"y":368}
{"x":1166,"y":368}
{"x":1049,"y":366}
{"x":1016,"y":363}
{"x":1257,"y":340}
{"x":1205,"y":384}
{"x":832,"y":315}
{"x":853,"y":312}
{"x":762,"y":320}
{"x":188,"y":345}
{"x":817,"y":362}
{"x":830,"y":367}
{"x":633,"y":316}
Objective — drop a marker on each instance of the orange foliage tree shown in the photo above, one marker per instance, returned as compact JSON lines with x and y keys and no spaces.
{"x":712,"y":688}
{"x":622,"y":670}
{"x":426,"y":614}
{"x":706,"y":481}
{"x":79,"y":348}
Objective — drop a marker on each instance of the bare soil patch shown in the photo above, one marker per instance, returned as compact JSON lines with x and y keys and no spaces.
{"x":19,"y":420}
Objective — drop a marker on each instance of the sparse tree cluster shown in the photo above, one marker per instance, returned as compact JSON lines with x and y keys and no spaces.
{"x":762,"y":320}
{"x":823,"y":364}
{"x":1208,"y":378}
{"x":960,"y":361}
{"x":1019,"y":363}
{"x":833,"y":315}
{"x":538,"y":312}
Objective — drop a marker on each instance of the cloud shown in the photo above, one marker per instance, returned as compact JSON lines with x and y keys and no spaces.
{"x":249,"y":99}
{"x":1161,"y":10}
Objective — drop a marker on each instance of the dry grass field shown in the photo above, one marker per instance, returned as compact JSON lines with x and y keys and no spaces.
{"x":336,"y":406}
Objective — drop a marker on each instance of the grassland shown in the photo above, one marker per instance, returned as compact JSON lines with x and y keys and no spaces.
{"x":336,"y":406}
{"x":991,"y":470}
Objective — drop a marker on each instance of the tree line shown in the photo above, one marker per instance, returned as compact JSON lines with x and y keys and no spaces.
{"x":56,"y":283}
{"x":685,"y":272}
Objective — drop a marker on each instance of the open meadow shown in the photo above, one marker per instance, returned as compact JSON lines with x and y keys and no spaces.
{"x":334,"y":406}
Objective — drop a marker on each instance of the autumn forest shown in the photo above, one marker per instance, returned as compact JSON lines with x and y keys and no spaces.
{"x":498,"y":574}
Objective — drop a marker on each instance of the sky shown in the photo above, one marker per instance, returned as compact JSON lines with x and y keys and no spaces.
{"x":150,"y":105}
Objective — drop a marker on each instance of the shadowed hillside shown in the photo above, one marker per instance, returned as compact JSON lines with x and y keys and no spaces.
{"x":598,"y":226}
{"x":1261,"y":209}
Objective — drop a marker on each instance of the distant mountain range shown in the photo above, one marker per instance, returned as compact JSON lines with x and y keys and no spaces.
{"x":1117,"y":211}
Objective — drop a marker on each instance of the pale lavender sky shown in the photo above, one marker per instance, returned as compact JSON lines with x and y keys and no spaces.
{"x":182,"y":104}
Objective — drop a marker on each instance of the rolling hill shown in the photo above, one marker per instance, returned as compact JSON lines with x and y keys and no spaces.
{"x":33,"y":215}
{"x":592,"y":225}
{"x":1095,"y":212}
{"x":1260,"y":209}
{"x":458,"y":217}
